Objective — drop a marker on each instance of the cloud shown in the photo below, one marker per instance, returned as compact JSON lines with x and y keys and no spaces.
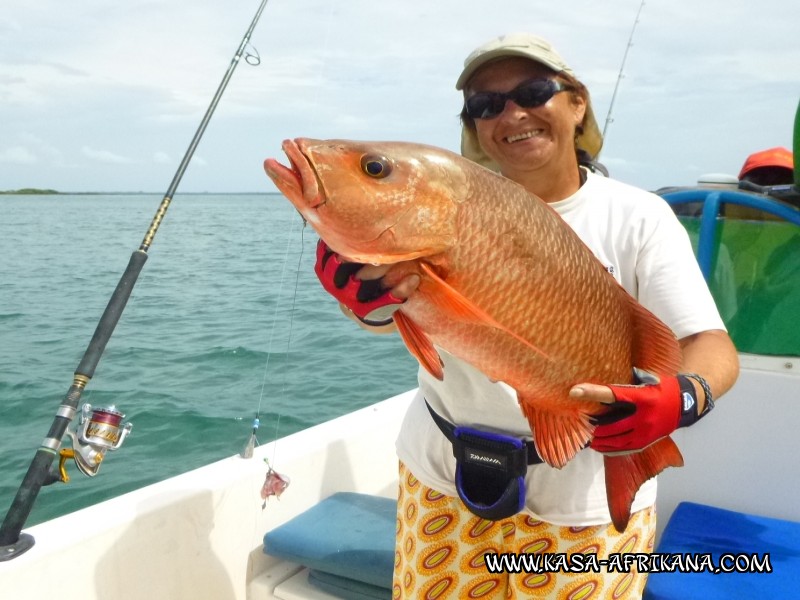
{"x":130,"y":85}
{"x":33,"y":82}
{"x":18,"y":155}
{"x":614,"y":162}
{"x":105,"y":156}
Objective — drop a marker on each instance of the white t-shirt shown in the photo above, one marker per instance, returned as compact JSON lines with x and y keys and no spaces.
{"x":637,"y":237}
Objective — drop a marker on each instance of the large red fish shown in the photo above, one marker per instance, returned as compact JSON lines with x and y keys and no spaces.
{"x":506,"y":285}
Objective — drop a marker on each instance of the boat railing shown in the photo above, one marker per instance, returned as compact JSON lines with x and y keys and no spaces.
{"x":748,"y":248}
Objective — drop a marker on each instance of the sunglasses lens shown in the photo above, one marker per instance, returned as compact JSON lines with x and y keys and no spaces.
{"x":534,"y":93}
{"x":487,"y":105}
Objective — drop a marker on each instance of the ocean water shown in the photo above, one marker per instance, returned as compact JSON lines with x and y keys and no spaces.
{"x":227,"y":320}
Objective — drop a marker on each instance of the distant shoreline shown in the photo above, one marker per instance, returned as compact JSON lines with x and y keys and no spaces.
{"x":48,"y":192}
{"x":29,"y":191}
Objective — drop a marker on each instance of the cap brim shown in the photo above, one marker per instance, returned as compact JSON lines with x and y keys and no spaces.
{"x":492,"y":55}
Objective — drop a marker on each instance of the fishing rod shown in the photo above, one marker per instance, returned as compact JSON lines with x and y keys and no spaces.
{"x":621,"y":73}
{"x":103,"y":429}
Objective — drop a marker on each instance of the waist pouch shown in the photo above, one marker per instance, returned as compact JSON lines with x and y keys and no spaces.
{"x":490,"y":469}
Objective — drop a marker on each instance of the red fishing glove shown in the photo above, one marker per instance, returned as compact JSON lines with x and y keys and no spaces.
{"x":368,"y":299}
{"x":645,"y":413}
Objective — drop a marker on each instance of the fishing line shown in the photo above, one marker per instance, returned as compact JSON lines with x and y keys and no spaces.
{"x":252,"y":442}
{"x":275,"y":319}
{"x":313,"y":123}
{"x":289,"y":341}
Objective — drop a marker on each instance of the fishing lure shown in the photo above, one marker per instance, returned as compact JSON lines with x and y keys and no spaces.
{"x":274,"y":484}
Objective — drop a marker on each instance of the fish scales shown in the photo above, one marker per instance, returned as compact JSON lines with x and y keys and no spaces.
{"x":505,"y":285}
{"x":521,"y":250}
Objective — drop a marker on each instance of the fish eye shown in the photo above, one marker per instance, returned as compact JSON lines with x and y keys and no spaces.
{"x":375,"y":166}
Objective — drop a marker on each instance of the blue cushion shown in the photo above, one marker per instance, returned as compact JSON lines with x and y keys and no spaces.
{"x":696,"y":528}
{"x":348,"y":535}
{"x":344,"y":587}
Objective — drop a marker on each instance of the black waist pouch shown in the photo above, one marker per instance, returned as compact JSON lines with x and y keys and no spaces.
{"x":490,"y":469}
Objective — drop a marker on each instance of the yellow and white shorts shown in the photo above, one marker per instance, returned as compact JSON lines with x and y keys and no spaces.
{"x":441,"y":547}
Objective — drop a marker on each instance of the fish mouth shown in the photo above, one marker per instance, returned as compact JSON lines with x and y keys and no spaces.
{"x":299,"y":182}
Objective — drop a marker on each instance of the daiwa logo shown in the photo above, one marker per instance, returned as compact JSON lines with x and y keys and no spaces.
{"x":483,"y":458}
{"x":688,"y":401}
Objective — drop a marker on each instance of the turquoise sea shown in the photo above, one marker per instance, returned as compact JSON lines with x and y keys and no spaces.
{"x":227,"y":319}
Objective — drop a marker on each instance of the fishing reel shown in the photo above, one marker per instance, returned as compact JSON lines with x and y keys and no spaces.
{"x":98,"y":431}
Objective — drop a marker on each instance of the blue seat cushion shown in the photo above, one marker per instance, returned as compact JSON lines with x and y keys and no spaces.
{"x":344,"y":587}
{"x":347,"y":535}
{"x":696,"y":528}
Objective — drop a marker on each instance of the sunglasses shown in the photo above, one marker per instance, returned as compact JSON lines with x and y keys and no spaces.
{"x":488,"y":105}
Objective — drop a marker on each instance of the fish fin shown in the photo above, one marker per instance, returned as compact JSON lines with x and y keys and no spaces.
{"x":459,"y":306}
{"x":419,"y":345}
{"x":558,"y":437}
{"x":655,"y":347}
{"x":626,"y":473}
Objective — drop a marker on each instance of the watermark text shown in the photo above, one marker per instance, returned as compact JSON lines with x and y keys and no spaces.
{"x":557,"y":562}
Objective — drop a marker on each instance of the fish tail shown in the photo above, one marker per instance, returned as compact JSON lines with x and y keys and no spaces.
{"x":626,"y":473}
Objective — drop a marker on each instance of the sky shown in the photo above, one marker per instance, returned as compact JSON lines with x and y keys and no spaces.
{"x":106,"y":96}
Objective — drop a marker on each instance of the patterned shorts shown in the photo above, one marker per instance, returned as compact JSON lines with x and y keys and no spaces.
{"x":441,"y":547}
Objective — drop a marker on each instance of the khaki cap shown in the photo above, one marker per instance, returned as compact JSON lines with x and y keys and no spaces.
{"x":535,"y":48}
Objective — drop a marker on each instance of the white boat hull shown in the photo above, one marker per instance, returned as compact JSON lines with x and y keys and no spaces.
{"x":198,"y":536}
